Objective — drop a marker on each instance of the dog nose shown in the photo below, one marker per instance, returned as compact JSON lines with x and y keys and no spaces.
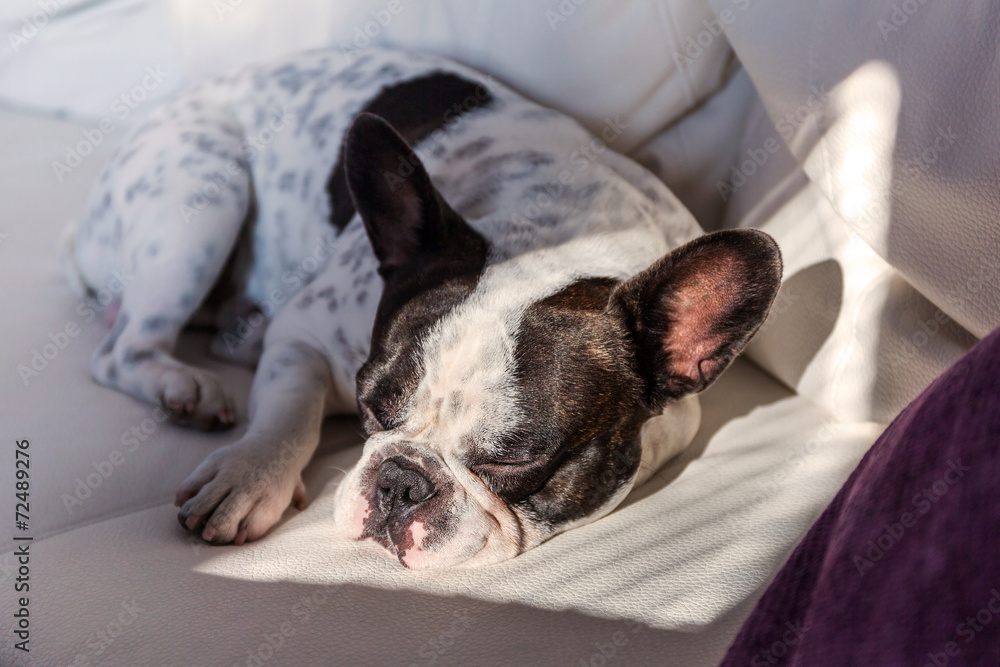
{"x":401,"y":486}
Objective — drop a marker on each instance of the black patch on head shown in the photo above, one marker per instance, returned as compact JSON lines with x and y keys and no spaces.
{"x":410,"y":226}
{"x":407,"y":311}
{"x":429,"y":258}
{"x":597,"y":359}
{"x":582,"y":398}
{"x":416,"y":109}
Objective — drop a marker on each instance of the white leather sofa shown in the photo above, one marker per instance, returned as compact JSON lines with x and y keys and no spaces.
{"x":869,"y":152}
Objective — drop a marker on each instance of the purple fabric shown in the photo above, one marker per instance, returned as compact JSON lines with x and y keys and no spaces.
{"x":903,"y":567}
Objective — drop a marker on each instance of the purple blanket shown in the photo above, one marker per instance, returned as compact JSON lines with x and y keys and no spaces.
{"x":903,"y":567}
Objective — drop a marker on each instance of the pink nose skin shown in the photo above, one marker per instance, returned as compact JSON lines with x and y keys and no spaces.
{"x":111,"y":313}
{"x":361,"y":511}
{"x":415,"y":558}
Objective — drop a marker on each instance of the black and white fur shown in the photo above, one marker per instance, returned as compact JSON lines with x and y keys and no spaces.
{"x":510,"y":307}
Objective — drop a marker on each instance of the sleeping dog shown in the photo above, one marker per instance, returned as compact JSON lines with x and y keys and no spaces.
{"x":520,"y":316}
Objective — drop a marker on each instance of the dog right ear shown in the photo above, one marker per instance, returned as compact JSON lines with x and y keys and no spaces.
{"x":695,"y":309}
{"x":409,"y":224}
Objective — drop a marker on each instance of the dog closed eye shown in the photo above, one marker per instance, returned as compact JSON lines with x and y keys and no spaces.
{"x":506,"y":468}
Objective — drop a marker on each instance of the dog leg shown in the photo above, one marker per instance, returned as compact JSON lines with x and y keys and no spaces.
{"x":240,"y":491}
{"x":173,"y":249}
{"x":241,"y":327}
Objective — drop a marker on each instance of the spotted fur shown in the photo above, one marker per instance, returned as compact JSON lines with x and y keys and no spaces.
{"x":468,"y":276}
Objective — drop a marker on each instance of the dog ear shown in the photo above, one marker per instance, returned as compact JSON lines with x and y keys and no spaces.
{"x":695,"y":309}
{"x":408,"y":222}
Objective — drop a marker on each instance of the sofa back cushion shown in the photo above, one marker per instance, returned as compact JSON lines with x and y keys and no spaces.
{"x":642,"y":63}
{"x":890,"y":108}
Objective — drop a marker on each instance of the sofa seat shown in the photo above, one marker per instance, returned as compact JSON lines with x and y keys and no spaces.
{"x":115,"y":581}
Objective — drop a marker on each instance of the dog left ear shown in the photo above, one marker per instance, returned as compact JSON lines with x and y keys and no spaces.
{"x":694,"y":310}
{"x":409,"y":224}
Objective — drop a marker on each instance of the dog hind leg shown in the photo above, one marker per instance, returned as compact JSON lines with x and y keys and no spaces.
{"x":176,"y":241}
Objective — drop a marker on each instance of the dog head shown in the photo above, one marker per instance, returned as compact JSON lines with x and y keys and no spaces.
{"x":492,"y":428}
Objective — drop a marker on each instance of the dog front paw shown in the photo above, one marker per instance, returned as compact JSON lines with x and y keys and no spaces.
{"x":237,"y":494}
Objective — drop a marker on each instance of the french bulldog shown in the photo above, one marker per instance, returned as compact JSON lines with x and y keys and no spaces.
{"x":521,"y":317}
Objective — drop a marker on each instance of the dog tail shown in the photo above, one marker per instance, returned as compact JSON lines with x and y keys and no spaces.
{"x":67,"y":258}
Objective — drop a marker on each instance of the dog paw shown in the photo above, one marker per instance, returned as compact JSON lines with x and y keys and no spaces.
{"x":236,"y":495}
{"x":195,"y":397}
